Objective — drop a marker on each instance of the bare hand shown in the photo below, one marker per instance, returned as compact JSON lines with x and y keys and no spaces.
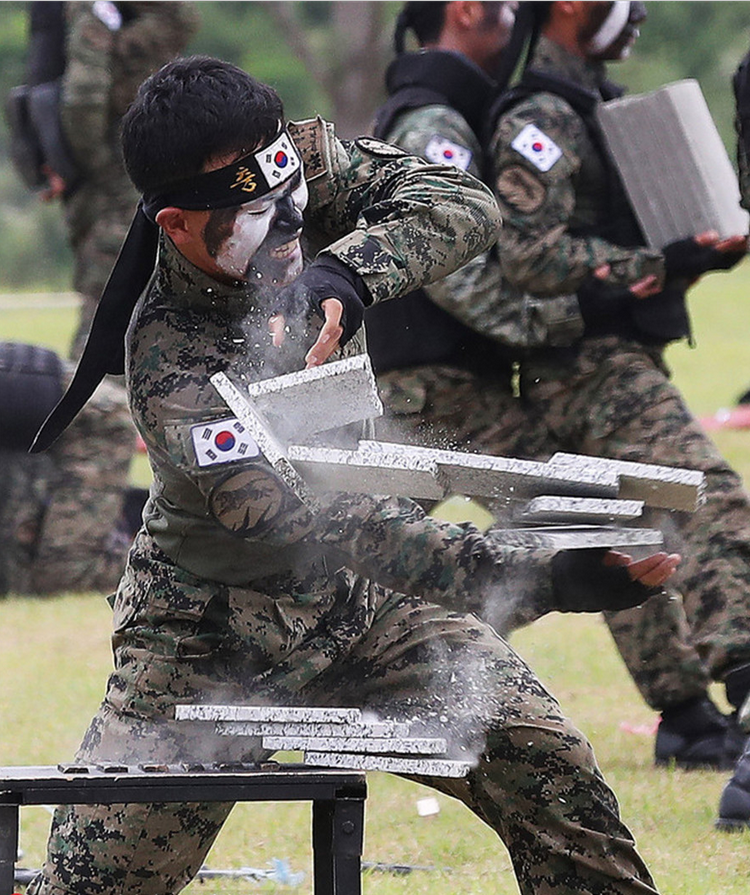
{"x":650,"y":285}
{"x":328,"y":337}
{"x":653,"y":571}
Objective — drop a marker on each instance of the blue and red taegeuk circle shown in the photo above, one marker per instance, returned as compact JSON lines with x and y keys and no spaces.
{"x":281,"y":159}
{"x":224,"y":440}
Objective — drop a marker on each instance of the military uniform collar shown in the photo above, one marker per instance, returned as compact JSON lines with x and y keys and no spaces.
{"x":551,"y":58}
{"x":189,"y":285}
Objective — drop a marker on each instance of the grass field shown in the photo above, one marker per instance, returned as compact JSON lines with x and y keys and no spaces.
{"x":54,"y":658}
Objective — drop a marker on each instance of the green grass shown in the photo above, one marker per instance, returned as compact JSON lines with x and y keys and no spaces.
{"x":54,"y":659}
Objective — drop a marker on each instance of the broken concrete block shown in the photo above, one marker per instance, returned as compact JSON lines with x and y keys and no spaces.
{"x":284,"y":714}
{"x":280,"y":729}
{"x":673,"y":163}
{"x":330,"y":396}
{"x":582,"y":510}
{"x":665,"y":487}
{"x":366,"y":745}
{"x":431,"y":767}
{"x":482,"y":475}
{"x":580,"y":537}
{"x":368,"y":472}
{"x":272,"y":449}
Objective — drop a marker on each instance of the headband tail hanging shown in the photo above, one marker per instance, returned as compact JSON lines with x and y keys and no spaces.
{"x":104,"y":351}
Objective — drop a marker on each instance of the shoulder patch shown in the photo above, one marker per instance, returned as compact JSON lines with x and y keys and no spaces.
{"x":378,"y":148}
{"x":521,"y":189}
{"x":535,"y":146}
{"x":108,"y":14}
{"x":222,"y":441}
{"x":311,"y":139}
{"x":445,"y":152}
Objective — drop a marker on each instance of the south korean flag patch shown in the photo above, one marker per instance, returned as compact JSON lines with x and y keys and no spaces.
{"x":223,"y":441}
{"x":444,"y":152}
{"x":279,"y":161}
{"x":537,"y":147}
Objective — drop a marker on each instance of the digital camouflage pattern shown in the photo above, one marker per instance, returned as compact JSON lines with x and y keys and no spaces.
{"x":234,"y":592}
{"x":106,"y":63}
{"x":461,"y":409}
{"x":61,"y":512}
{"x":608,"y":396}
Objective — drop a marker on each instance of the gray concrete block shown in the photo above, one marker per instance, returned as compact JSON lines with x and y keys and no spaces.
{"x":582,"y":510}
{"x":431,"y":767}
{"x":579,"y":537}
{"x":366,"y":745}
{"x":305,"y":402}
{"x":482,"y":475}
{"x":284,"y":714}
{"x":367,"y":472}
{"x":273,"y":450}
{"x":665,"y":487}
{"x":280,"y":729}
{"x":673,"y":163}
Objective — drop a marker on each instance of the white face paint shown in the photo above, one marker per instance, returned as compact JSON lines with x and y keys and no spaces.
{"x":265,"y":237}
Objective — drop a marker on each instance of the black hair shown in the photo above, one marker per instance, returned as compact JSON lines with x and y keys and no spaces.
{"x":425,"y":19}
{"x":191,"y":110}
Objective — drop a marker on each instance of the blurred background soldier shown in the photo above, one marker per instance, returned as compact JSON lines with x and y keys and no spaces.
{"x":570,"y":237}
{"x":445,"y":355}
{"x":85,"y":63}
{"x":67,"y":517}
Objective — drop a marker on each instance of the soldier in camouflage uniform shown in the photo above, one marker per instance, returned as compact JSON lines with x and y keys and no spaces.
{"x":444,"y":356}
{"x":570,"y":231}
{"x":234,"y":590}
{"x":63,"y":515}
{"x":110,"y":47}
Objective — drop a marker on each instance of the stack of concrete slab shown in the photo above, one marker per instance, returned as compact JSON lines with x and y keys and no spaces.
{"x":673,"y":163}
{"x":332,"y":737}
{"x":568,"y":502}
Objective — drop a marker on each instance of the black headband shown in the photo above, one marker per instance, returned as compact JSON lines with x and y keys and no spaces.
{"x":245,"y":180}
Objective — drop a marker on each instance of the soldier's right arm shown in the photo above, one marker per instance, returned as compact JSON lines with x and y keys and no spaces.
{"x":537,"y":153}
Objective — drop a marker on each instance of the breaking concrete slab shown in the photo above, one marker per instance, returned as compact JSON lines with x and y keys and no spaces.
{"x":663,"y":487}
{"x":273,"y":450}
{"x":430,"y":767}
{"x":591,"y":510}
{"x":579,"y":537}
{"x":285,"y":714}
{"x":368,"y":472}
{"x":275,"y":728}
{"x":483,"y":475}
{"x":337,"y":393}
{"x":365,"y":745}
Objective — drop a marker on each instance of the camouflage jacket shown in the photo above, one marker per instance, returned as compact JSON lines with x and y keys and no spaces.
{"x":549,"y":179}
{"x":399,"y":222}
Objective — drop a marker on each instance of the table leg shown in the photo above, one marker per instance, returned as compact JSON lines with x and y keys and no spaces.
{"x":8,"y":847}
{"x":338,"y":836}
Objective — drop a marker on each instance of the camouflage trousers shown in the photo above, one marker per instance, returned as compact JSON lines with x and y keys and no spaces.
{"x":448,"y":407}
{"x":60,"y":510}
{"x":614,"y":399}
{"x":182,"y":640}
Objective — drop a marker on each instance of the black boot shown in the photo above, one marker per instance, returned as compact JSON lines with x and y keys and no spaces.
{"x":693,"y":734}
{"x":734,"y":805}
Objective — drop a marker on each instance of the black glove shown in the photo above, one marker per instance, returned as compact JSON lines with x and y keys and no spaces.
{"x":685,"y":258}
{"x":326,"y":277}
{"x":582,"y":583}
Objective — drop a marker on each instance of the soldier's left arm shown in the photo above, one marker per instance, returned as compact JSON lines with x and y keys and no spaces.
{"x":395,"y":220}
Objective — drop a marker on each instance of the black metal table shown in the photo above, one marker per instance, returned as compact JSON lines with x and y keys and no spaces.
{"x":338,"y":803}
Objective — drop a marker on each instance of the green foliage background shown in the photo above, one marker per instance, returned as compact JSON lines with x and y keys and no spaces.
{"x":703,"y":40}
